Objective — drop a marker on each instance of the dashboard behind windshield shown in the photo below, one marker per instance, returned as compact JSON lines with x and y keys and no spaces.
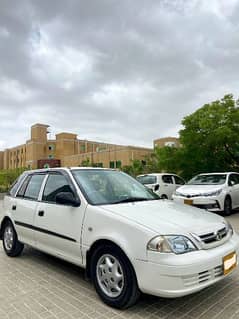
{"x":214,"y":179}
{"x":102,"y":187}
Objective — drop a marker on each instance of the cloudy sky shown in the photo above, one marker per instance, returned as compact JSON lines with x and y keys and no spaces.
{"x":116,"y":71}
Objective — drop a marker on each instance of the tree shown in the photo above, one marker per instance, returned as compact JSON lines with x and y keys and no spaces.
{"x":210,"y":138}
{"x":136,"y":168}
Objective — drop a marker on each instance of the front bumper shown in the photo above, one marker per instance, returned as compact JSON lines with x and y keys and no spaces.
{"x":212,"y":204}
{"x":170,"y":275}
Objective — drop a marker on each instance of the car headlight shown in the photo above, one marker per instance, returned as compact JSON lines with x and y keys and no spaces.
{"x":177,"y":193}
{"x":214,"y":193}
{"x":229,"y":227}
{"x":177,"y":244}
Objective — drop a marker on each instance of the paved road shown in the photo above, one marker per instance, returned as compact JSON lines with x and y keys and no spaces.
{"x":36,"y":285}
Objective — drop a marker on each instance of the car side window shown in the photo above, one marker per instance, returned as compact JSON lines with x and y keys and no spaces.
{"x":233,"y":178}
{"x":23,"y":187}
{"x":167,"y":179}
{"x":56,"y":183}
{"x":178,"y":180}
{"x":34,"y":186}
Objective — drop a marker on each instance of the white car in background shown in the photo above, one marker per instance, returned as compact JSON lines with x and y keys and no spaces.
{"x":211,"y":191}
{"x":163,"y":184}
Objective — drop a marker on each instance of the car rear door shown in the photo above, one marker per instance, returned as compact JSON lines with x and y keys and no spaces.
{"x":59,"y":226}
{"x":25,"y":206}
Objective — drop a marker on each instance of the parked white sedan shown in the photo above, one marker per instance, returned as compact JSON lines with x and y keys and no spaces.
{"x":212,"y":191}
{"x":162,"y":184}
{"x":127,"y":239}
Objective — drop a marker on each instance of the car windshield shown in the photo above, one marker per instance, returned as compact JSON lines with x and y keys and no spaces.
{"x":147,"y":179}
{"x":213,"y":179}
{"x":110,"y":187}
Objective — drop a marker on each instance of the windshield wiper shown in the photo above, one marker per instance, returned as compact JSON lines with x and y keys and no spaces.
{"x":132,"y":199}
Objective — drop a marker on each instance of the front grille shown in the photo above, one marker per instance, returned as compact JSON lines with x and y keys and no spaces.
{"x":215,"y":236}
{"x":203,"y":277}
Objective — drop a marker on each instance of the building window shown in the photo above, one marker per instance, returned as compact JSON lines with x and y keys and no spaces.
{"x":118,"y":164}
{"x":82,"y":148}
{"x":51,"y":147}
{"x":50,"y":156}
{"x":112,"y":164}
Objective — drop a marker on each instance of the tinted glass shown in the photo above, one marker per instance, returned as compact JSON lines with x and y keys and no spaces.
{"x":22,"y":189}
{"x":16,"y":184}
{"x":55,"y":184}
{"x":178,"y":180}
{"x":167,"y":179}
{"x":147,"y":179}
{"x":34,"y":186}
{"x":110,"y":187}
{"x":212,"y":179}
{"x":234,"y":178}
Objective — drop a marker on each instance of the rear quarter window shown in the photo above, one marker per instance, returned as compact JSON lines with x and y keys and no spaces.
{"x":16,"y":184}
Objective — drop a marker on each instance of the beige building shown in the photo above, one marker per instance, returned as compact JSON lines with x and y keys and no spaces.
{"x":67,"y":150}
{"x":167,"y":141}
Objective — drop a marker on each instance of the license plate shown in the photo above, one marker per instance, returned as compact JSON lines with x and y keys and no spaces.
{"x":188,"y":201}
{"x":229,"y":263}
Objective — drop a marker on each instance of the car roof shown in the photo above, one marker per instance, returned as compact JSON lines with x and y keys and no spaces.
{"x":219,"y":173}
{"x":45,"y":170}
{"x":157,"y":174}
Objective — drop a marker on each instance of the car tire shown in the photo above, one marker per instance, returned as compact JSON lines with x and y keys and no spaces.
{"x":11,"y":245}
{"x":164,"y":196}
{"x":114,"y":277}
{"x":227,"y":206}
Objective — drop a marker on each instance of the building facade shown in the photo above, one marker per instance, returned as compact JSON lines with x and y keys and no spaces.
{"x":67,"y":150}
{"x":167,"y":141}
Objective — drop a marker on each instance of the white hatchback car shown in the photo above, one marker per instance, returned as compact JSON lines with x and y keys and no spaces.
{"x":212,"y":191}
{"x":127,"y":239}
{"x":163,"y":184}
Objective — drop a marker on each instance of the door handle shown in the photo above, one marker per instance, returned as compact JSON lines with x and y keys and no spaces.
{"x":41,"y":213}
{"x":14,"y":207}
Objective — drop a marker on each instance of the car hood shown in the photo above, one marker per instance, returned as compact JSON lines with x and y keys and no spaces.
{"x":198,"y":189}
{"x":168,"y":217}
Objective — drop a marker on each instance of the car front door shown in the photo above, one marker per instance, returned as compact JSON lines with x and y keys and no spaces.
{"x":178,"y":181}
{"x":233,"y":183}
{"x":25,"y":207}
{"x":167,"y":186}
{"x":59,"y":226}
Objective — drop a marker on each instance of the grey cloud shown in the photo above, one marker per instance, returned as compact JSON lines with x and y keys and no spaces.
{"x":119,"y":71}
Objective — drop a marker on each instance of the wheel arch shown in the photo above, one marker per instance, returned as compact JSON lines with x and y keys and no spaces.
{"x":98,"y":243}
{"x":4,"y":221}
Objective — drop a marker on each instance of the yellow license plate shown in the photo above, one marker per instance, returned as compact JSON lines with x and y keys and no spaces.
{"x":188,"y":201}
{"x":229,"y":263}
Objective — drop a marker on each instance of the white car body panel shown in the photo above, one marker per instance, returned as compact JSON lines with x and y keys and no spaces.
{"x":165,"y":189}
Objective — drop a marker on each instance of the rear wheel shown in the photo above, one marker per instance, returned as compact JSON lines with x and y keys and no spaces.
{"x":227,"y":206}
{"x":164,"y":196}
{"x":114,"y":277}
{"x":11,"y":245}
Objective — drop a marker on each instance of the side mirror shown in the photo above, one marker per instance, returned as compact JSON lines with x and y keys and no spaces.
{"x":156,"y":187}
{"x":67,"y":198}
{"x":231,"y":183}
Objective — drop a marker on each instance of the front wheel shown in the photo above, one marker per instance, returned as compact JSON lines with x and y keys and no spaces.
{"x":227,"y":206}
{"x":11,"y":245}
{"x":114,"y":277}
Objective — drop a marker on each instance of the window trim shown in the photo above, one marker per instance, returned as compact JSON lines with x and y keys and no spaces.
{"x":68,"y":179}
{"x":27,"y":176}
